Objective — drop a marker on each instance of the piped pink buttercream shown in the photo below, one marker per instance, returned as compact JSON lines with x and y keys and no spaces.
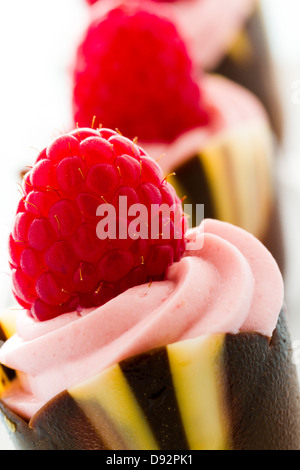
{"x":227,"y":282}
{"x":230,"y":107}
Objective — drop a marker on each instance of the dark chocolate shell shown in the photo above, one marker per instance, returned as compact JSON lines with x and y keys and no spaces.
{"x":233,"y":176}
{"x":214,"y":392}
{"x":249,"y":63}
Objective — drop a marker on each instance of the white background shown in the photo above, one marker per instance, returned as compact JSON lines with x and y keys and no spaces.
{"x":37,"y":40}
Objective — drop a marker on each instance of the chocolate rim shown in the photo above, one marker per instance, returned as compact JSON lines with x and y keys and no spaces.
{"x":259,"y":405}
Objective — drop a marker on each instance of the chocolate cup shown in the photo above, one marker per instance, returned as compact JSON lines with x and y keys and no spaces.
{"x":249,"y":63}
{"x":221,"y":391}
{"x":233,"y":177}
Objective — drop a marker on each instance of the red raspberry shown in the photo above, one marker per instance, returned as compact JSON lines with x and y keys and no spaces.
{"x":133,"y":71}
{"x":58,"y":262}
{"x":91,"y":2}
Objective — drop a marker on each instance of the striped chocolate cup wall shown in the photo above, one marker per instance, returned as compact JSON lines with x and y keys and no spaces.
{"x":233,"y":176}
{"x":217,"y":392}
{"x":249,"y":63}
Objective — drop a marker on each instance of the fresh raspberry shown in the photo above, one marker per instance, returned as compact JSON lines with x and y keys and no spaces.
{"x":91,"y":2}
{"x":58,"y":261}
{"x":133,"y":71}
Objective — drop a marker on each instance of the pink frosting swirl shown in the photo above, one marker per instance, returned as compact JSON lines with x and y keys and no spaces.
{"x":226,"y":282}
{"x":230,"y":106}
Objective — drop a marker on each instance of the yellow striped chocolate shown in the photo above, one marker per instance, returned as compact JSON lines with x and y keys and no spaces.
{"x":217,"y":392}
{"x":232,"y":175}
{"x":249,"y":63}
{"x":7,"y":329}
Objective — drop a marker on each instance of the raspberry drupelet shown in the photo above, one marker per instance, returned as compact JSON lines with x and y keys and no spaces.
{"x":91,"y":2}
{"x":58,"y":261}
{"x":133,"y":71}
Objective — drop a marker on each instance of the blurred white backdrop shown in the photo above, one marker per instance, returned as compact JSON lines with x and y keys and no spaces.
{"x":37,"y":41}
